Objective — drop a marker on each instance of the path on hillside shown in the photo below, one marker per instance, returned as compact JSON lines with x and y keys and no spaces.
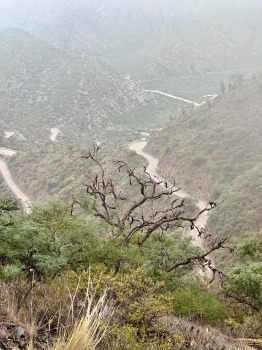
{"x":175,"y":97}
{"x":25,"y":201}
{"x":201,"y":222}
{"x":195,"y":104}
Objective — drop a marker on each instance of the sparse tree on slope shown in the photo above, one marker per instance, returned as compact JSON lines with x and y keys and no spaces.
{"x":138,"y":217}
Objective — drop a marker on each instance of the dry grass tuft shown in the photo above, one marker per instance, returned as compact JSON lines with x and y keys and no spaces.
{"x":57,"y":317}
{"x":89,"y":330}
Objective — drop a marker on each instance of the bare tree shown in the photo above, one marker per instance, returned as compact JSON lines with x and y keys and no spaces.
{"x":142,"y":214}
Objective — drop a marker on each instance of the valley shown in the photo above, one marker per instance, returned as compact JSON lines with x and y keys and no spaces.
{"x":138,"y":147}
{"x":130,"y":175}
{"x":146,"y":134}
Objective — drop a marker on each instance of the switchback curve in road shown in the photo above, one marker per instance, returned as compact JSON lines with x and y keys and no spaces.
{"x":25,"y":201}
{"x":197,"y":241}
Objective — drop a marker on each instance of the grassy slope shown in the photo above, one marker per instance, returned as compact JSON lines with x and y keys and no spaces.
{"x":215,"y":153}
{"x":54,"y":169}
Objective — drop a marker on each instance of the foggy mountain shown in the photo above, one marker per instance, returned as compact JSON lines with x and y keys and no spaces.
{"x":192,"y":36}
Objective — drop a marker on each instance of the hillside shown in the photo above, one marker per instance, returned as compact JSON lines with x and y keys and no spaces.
{"x":215,"y":153}
{"x":44,"y":86}
{"x":63,"y":245}
{"x":104,"y":103}
{"x":192,"y":36}
{"x":46,"y":170}
{"x":211,"y":37}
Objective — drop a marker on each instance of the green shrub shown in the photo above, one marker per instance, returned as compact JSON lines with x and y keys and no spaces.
{"x":245,"y":285}
{"x":197,"y":303}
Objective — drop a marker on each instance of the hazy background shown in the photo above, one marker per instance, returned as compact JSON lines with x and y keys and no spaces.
{"x":206,"y":34}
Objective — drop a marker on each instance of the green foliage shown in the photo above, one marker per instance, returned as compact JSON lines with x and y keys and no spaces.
{"x":197,"y":303}
{"x":162,"y":250}
{"x":54,"y":249}
{"x":8,"y":204}
{"x":245,"y":285}
{"x":138,"y":300}
{"x":51,"y":239}
{"x":29,"y":245}
{"x":88,"y":203}
{"x":48,"y":241}
{"x":7,"y":207}
{"x":10,"y":272}
{"x":251,"y":249}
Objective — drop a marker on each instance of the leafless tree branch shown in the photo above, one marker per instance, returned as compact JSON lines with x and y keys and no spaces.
{"x":135,"y":219}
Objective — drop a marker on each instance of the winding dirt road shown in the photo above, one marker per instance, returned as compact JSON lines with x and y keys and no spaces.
{"x":21,"y":196}
{"x":175,"y":97}
{"x":201,"y":222}
{"x":25,"y":201}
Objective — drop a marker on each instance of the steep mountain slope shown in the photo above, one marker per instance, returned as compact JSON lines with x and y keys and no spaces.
{"x":44,"y":86}
{"x":191,"y":36}
{"x":214,"y":36}
{"x":203,"y":45}
{"x":216,"y":153}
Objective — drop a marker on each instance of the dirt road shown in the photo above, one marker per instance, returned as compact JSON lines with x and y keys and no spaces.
{"x":201,"y":222}
{"x":25,"y":201}
{"x":175,"y":97}
{"x":195,"y":104}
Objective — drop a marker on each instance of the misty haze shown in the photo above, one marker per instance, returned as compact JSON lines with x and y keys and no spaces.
{"x":131,"y":174}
